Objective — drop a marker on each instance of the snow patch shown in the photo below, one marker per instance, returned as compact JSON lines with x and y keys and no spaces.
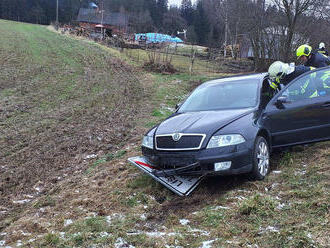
{"x":155,"y":234}
{"x":232,"y":242}
{"x":207,"y":244}
{"x":38,"y":189}
{"x":277,"y":172}
{"x":22,"y":201}
{"x":109,"y":218}
{"x":241,"y":198}
{"x":143,"y":217}
{"x":268,"y":229}
{"x":104,"y":234}
{"x":90,"y":156}
{"x":253,"y":246}
{"x":25,"y":233}
{"x":184,"y":222}
{"x":19,"y":243}
{"x":121,"y":243}
{"x":219,"y":207}
{"x":68,"y":222}
{"x":300,"y":173}
{"x":202,"y":232}
{"x":280,"y":206}
{"x":2,"y":242}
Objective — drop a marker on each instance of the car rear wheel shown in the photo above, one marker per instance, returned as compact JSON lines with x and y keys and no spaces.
{"x":261,"y":156}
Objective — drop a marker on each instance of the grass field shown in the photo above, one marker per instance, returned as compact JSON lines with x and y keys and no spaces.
{"x":72,"y":112}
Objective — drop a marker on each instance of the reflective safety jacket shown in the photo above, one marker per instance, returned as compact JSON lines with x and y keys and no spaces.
{"x":318,"y":60}
{"x":322,"y":85}
{"x":323,"y":51}
{"x":299,"y":69}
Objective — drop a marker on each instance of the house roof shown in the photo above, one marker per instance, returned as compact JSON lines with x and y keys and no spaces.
{"x":95,"y":16}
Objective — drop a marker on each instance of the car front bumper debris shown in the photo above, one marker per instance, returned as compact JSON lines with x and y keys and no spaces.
{"x":180,"y":184}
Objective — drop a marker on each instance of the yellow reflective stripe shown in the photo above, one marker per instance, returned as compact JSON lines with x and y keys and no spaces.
{"x":315,"y":94}
{"x":326,"y":75}
{"x":273,"y":85}
{"x":303,"y":88}
{"x":278,"y":80}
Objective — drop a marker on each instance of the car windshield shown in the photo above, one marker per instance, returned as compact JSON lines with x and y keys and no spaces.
{"x":221,"y":96}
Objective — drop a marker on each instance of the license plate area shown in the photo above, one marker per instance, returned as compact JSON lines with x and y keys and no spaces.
{"x":181,"y":185}
{"x":175,"y":162}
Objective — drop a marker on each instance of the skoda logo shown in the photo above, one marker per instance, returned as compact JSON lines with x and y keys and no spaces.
{"x":176,"y":136}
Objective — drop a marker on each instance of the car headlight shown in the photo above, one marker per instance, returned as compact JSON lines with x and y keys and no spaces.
{"x":148,"y":141}
{"x":225,"y":140}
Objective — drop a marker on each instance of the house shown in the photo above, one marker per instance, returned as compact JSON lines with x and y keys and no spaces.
{"x":96,"y":18}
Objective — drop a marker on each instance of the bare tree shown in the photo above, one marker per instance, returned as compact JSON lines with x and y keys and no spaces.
{"x":293,"y":10}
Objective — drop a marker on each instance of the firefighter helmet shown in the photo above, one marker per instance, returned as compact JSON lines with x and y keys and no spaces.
{"x":278,"y":70}
{"x":304,"y":50}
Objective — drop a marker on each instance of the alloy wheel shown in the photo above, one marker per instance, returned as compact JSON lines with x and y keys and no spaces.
{"x":263,"y":158}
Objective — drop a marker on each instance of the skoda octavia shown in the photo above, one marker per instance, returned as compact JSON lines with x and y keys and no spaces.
{"x":230,"y":125}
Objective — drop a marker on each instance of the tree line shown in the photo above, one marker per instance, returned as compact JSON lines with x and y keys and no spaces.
{"x":272,"y":27}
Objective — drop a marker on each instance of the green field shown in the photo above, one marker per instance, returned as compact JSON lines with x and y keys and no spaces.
{"x":72,"y":112}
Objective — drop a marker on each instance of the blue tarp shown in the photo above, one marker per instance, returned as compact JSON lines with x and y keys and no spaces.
{"x":157,"y":38}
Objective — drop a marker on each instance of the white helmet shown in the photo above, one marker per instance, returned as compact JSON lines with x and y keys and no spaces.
{"x":279,"y":69}
{"x":321,"y":45}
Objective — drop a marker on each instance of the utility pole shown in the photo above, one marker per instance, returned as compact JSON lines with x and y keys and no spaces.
{"x":102,"y":10}
{"x":226,"y":31}
{"x":56,"y":14}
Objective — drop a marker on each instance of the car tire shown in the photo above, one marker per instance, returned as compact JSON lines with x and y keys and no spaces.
{"x":260,"y":160}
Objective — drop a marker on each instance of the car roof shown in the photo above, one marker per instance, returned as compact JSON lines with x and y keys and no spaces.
{"x":257,"y":76}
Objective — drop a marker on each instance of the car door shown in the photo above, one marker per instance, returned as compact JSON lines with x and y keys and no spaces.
{"x":300,"y":113}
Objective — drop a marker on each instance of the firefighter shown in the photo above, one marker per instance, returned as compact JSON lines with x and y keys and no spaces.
{"x":322,"y":49}
{"x":283,"y":73}
{"x":310,"y":58}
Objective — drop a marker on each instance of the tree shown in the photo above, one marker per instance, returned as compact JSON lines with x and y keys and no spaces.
{"x":187,"y":11}
{"x":293,"y":11}
{"x":161,"y":9}
{"x":173,"y":22}
{"x":141,"y":22}
{"x":201,"y":24}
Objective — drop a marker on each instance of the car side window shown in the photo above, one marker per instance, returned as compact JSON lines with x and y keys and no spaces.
{"x":315,"y":84}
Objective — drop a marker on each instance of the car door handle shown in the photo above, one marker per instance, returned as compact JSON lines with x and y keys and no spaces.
{"x":326,"y":105}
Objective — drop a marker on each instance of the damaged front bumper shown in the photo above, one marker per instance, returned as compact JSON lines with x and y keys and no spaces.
{"x":180,"y":184}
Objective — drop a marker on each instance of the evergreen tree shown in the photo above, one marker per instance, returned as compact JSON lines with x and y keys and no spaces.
{"x":187,"y":11}
{"x":161,"y":9}
{"x":202,"y":27}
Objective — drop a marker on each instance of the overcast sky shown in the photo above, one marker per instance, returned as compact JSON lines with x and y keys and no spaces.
{"x":177,"y":2}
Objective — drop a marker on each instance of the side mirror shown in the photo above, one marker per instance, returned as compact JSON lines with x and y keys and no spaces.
{"x":279,"y":102}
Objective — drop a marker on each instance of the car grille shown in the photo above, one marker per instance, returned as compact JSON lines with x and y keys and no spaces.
{"x":186,"y":142}
{"x":175,"y":162}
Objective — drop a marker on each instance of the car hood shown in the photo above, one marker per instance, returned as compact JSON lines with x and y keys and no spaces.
{"x":205,"y":122}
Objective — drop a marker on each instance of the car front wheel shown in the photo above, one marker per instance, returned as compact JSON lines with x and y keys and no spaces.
{"x":261,"y":156}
